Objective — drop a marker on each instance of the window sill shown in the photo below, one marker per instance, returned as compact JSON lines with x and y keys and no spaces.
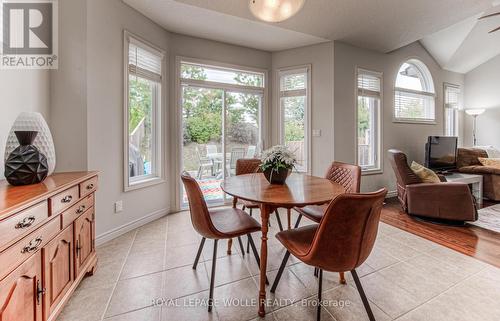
{"x":143,"y":183}
{"x":415,"y":122}
{"x":375,"y":171}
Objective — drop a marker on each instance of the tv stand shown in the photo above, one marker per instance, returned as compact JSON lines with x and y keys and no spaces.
{"x":445,"y":173}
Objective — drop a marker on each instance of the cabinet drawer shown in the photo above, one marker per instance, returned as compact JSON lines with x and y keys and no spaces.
{"x":76,"y":210}
{"x":88,"y":186}
{"x":63,"y":200}
{"x":22,"y":223}
{"x":19,"y":252}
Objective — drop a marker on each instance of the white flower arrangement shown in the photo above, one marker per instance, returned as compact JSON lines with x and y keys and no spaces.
{"x":276,"y":158}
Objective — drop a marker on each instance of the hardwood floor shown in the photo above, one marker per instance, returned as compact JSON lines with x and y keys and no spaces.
{"x":471,"y":240}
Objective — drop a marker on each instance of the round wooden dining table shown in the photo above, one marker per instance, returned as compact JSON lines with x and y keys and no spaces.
{"x":298,"y":191}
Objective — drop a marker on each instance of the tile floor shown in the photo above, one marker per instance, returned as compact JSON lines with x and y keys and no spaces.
{"x":406,"y":278}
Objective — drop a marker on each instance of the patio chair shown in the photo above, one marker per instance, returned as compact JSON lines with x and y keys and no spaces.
{"x":236,"y":153}
{"x":251,"y":151}
{"x":204,"y":163}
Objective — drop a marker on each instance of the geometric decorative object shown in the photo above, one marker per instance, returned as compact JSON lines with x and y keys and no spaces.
{"x":33,"y":121}
{"x":26,"y":164}
{"x":275,"y":10}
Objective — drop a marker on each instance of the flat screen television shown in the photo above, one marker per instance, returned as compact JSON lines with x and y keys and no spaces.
{"x":441,"y":153}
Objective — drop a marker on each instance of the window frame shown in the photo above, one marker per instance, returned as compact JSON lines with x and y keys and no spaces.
{"x":307,"y":114}
{"x":378,"y":168}
{"x":429,"y":91}
{"x":455,"y":110}
{"x":158,"y":114}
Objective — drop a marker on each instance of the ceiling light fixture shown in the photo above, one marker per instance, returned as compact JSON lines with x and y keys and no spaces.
{"x":275,"y":10}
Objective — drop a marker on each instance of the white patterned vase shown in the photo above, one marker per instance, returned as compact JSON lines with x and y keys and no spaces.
{"x":33,"y":121}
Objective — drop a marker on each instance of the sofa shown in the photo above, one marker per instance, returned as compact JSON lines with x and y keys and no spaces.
{"x":468,"y":163}
{"x":442,"y":202}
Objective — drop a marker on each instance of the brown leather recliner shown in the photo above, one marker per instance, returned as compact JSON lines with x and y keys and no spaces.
{"x":443,"y":201}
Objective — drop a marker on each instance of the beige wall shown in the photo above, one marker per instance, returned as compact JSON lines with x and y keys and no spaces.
{"x":106,"y":21}
{"x":191,"y":47}
{"x":321,"y":59}
{"x":482,"y":91}
{"x":21,"y":90}
{"x":409,"y":138}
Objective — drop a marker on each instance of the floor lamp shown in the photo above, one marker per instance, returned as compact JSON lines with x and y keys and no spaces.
{"x":474,"y":113}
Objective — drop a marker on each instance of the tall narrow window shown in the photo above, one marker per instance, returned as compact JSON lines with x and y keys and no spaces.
{"x":451,"y":107}
{"x":414,"y":94}
{"x":368,"y":119}
{"x":143,"y":113}
{"x":294,"y":106}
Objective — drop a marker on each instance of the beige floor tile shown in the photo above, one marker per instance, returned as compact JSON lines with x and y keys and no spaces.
{"x":275,"y":256}
{"x":386,"y":229}
{"x":146,"y":314}
{"x":77,"y":308}
{"x":228,"y":269}
{"x":237,"y":301}
{"x":290,"y":289}
{"x":387,"y":295}
{"x":136,"y":293}
{"x":182,"y":256}
{"x":305,"y":273}
{"x":190,"y":308}
{"x":345,"y":304}
{"x":466,"y":264}
{"x":106,"y":273}
{"x":394,"y":248}
{"x":222,"y":246}
{"x":148,"y":246}
{"x":414,"y":241}
{"x":181,"y":238}
{"x":139,"y":264}
{"x":184,"y":281}
{"x":429,"y":265}
{"x":379,"y":259}
{"x":303,"y":310}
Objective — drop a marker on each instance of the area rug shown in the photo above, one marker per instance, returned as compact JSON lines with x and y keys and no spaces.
{"x":489,"y":218}
{"x":210,"y":188}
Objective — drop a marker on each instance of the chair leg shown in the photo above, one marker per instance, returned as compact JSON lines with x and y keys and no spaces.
{"x":241,"y":246}
{"x":298,"y":221}
{"x":342,"y":278}
{"x":248,"y":239}
{"x":229,"y":246}
{"x":320,"y":290}
{"x":200,"y":249}
{"x":255,"y":253}
{"x":280,"y":271}
{"x":362,"y":295}
{"x":289,"y":217}
{"x":212,"y":278}
{"x":316,"y":272}
{"x":279,"y":220}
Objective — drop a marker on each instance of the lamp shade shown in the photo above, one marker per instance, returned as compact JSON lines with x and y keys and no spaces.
{"x":275,"y":10}
{"x":475,"y":112}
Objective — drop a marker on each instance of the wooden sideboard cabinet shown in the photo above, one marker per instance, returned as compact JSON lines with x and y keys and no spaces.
{"x":47,"y":244}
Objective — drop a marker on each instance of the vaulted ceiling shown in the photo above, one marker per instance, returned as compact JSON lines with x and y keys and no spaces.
{"x":382,"y":25}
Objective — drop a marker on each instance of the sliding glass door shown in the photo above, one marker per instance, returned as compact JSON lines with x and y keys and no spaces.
{"x":221,"y":123}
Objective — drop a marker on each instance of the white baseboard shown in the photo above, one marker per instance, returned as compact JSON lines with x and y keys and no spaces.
{"x":120,"y":230}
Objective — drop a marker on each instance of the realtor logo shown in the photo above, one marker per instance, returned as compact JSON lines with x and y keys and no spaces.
{"x":29,"y":34}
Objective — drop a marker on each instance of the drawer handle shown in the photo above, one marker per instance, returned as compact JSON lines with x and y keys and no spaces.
{"x":26,"y":222}
{"x":90,"y":186}
{"x":66,"y":199}
{"x":81,"y":209}
{"x":32,"y":246}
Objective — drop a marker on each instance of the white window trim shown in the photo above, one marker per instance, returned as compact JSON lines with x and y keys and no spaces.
{"x":457,"y":120}
{"x":158,"y":177}
{"x":430,"y":82}
{"x":177,"y":153}
{"x":307,"y":114}
{"x":380,"y":160}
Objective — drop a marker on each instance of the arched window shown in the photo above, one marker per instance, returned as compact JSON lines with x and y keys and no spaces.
{"x":414,"y":93}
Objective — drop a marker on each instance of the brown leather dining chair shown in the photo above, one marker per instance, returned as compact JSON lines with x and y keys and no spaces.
{"x":250,"y":166}
{"x":347,"y":175}
{"x":217,"y":224}
{"x":342,"y":240}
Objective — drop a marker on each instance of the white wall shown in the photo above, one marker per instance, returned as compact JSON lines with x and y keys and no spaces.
{"x":321,"y":59}
{"x":104,"y":99}
{"x":482,"y":90}
{"x":409,"y":138}
{"x":21,"y":90}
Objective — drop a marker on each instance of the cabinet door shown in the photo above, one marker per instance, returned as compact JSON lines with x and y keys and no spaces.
{"x":58,"y":269}
{"x":21,"y":292}
{"x":84,"y":239}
